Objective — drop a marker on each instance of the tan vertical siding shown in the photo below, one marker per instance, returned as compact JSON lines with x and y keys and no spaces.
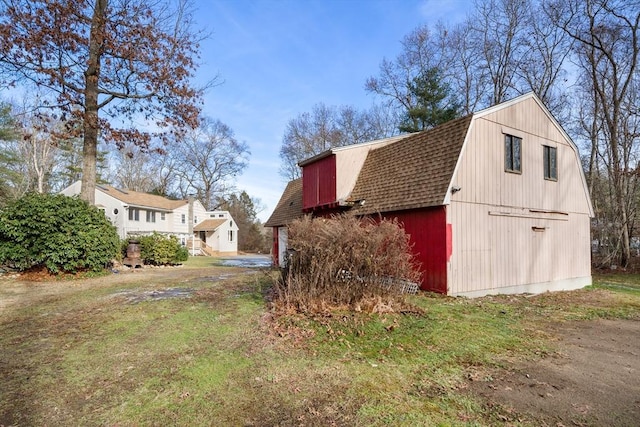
{"x":495,"y":250}
{"x":348,"y":166}
{"x":494,"y":245}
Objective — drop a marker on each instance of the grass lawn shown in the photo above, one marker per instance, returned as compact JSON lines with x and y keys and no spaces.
{"x":120,"y":354}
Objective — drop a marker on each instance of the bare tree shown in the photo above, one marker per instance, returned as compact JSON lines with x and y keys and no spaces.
{"x":209,"y":158}
{"x":165,"y":167}
{"x":606,"y":35}
{"x":467,"y":79}
{"x":133,"y":169}
{"x":546,"y":51}
{"x":326,"y":127}
{"x":421,"y":51}
{"x":127,"y":59}
{"x":38,"y":148}
{"x":497,"y":37}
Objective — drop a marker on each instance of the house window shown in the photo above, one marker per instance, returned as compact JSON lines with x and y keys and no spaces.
{"x":220,"y":215}
{"x":230,"y":223}
{"x":184,"y":219}
{"x":231,"y":235}
{"x":195,"y":219}
{"x":134,"y":214}
{"x":151,"y":216}
{"x":512,"y":154}
{"x":162,"y":216}
{"x":550,"y":162}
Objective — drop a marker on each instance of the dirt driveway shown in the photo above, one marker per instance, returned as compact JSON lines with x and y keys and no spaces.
{"x":593,"y":378}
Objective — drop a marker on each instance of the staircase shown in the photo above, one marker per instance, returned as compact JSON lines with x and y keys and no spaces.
{"x":207,"y":250}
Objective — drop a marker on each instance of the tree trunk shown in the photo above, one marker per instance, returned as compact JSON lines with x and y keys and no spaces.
{"x":91,"y":123}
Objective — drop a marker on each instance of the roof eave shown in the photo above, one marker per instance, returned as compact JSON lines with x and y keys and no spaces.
{"x":315,"y":158}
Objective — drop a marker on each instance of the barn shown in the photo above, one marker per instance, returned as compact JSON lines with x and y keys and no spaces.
{"x":494,"y":202}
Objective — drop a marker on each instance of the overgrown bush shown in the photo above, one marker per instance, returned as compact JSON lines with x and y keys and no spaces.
{"x":346,"y":261}
{"x":64,"y":234}
{"x":158,"y":249}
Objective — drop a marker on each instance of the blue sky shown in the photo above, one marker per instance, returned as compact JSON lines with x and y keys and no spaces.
{"x":278,"y":58}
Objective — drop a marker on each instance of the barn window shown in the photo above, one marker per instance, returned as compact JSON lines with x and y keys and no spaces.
{"x":512,"y":154}
{"x":550,"y":162}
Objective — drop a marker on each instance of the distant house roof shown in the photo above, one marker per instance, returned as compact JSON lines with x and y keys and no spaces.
{"x":289,"y":206}
{"x":209,"y":225}
{"x":136,"y":198}
{"x":414,"y":172}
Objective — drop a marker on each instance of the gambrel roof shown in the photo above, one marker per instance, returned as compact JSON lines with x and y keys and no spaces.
{"x":145,"y":200}
{"x":289,"y":206}
{"x":414,"y":172}
{"x":409,"y":172}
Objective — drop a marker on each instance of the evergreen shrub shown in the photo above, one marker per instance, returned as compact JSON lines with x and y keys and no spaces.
{"x":63,"y":234}
{"x":157,"y":249}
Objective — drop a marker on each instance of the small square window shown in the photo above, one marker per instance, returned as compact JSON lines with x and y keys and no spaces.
{"x":512,"y":154}
{"x":550,"y":163}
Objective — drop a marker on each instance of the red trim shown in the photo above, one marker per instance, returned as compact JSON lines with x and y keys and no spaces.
{"x":276,"y":249}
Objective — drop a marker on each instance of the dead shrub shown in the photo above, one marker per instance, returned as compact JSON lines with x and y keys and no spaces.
{"x":346,"y":261}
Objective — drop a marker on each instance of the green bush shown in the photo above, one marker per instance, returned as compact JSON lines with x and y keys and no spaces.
{"x":157,"y":249}
{"x":64,"y":234}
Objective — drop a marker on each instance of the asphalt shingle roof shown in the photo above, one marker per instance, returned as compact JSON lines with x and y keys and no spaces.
{"x":209,"y":224}
{"x":414,"y":172}
{"x":289,"y":206}
{"x":136,"y":198}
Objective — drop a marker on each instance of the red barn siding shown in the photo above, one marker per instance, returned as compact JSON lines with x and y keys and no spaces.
{"x":430,"y":236}
{"x":275,"y":253}
{"x":319,"y":183}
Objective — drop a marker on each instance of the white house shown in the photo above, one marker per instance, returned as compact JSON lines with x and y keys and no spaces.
{"x":219,"y":232}
{"x":135,"y":213}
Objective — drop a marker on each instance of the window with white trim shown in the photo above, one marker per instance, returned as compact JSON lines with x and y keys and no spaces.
{"x":134,"y":214}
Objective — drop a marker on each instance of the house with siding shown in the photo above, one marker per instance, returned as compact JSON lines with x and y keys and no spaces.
{"x":135,"y":213}
{"x":494,"y":202}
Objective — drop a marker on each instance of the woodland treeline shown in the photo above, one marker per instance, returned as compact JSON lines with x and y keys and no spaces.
{"x":89,"y":90}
